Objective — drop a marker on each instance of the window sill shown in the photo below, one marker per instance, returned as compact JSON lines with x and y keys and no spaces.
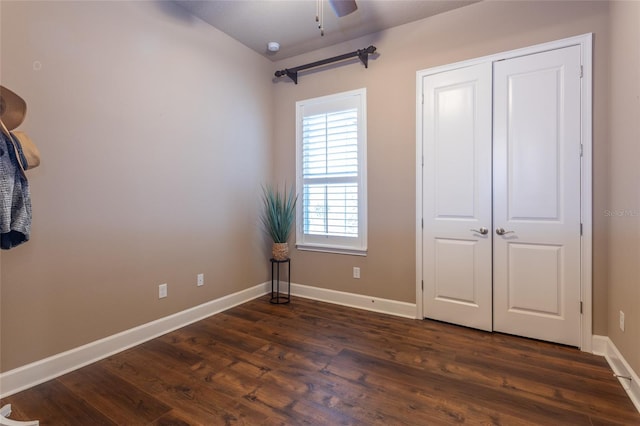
{"x":332,"y":249}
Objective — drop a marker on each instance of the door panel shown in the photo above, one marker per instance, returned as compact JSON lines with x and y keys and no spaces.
{"x":455,"y":185}
{"x":456,"y":281}
{"x":536,"y":166}
{"x":524,"y":267}
{"x":457,"y":196}
{"x":533,"y":144}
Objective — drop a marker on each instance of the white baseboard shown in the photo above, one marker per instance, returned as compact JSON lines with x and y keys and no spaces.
{"x":375,"y":304}
{"x":24,"y":377}
{"x":602,"y":345}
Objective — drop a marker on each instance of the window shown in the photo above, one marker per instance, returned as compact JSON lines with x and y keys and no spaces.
{"x":331,"y":173}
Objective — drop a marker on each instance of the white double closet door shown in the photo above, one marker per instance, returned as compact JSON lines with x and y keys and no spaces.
{"x":501,"y":196}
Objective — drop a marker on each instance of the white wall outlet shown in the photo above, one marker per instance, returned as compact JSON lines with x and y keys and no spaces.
{"x":200,"y":280}
{"x":356,"y":272}
{"x":162,"y":291}
{"x":621,"y":321}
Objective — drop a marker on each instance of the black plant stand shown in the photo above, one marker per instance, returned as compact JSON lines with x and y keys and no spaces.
{"x":277,"y":297}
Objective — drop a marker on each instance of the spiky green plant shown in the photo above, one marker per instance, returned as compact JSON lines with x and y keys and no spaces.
{"x":279,"y":212}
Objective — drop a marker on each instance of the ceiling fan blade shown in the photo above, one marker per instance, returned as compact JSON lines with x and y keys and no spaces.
{"x":343,"y":7}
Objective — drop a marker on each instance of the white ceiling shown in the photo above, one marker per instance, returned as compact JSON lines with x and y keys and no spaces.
{"x":291,"y":23}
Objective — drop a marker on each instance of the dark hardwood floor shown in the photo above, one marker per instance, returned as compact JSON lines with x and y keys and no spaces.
{"x":321,"y":364}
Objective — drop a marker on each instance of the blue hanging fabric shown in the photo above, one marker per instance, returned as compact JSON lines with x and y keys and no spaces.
{"x":15,"y":198}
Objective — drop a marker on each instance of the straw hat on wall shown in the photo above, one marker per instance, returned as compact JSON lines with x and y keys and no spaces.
{"x":12,"y":108}
{"x":12,"y":112}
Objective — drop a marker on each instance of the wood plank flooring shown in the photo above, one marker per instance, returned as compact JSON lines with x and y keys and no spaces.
{"x":312,"y":363}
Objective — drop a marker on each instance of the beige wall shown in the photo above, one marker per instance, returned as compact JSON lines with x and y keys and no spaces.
{"x":154,"y":130}
{"x":623,"y":202}
{"x":145,"y":117}
{"x":481,"y":29}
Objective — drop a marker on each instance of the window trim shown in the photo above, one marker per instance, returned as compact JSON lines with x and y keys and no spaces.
{"x":334,"y":244}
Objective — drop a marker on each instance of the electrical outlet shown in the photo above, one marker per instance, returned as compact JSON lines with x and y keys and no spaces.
{"x":162,"y":291}
{"x":200,"y":280}
{"x":621,"y":321}
{"x":356,"y":272}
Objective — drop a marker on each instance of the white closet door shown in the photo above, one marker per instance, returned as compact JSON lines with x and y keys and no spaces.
{"x":536,"y":160}
{"x":457,"y":196}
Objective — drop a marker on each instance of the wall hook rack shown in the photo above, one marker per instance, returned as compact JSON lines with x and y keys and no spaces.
{"x":362,"y":54}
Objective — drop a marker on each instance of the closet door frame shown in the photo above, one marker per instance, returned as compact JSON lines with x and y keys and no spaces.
{"x":585,"y":42}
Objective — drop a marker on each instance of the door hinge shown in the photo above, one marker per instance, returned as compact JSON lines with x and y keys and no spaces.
{"x":422,"y":223}
{"x":581,"y":150}
{"x":422,"y":284}
{"x":581,"y":230}
{"x":581,"y":307}
{"x":581,"y":71}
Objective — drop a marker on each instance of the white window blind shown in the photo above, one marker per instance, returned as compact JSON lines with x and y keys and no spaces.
{"x":331,"y":169}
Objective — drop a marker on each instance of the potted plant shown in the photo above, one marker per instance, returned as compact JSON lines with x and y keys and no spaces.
{"x":277,"y":217}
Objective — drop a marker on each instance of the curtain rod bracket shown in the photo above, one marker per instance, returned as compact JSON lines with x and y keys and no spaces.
{"x":362,"y":54}
{"x":364,"y":57}
{"x":293,"y":75}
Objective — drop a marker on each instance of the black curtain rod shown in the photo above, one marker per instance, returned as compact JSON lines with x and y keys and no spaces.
{"x":363,"y":54}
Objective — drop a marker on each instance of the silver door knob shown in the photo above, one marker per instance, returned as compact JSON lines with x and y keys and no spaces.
{"x":501,"y":231}
{"x":483,"y":231}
